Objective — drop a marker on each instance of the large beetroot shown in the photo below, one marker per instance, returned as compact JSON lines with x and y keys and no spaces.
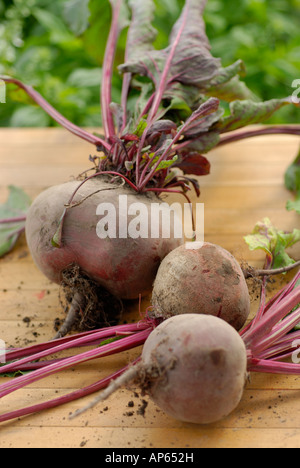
{"x":125,"y":266}
{"x":100,"y":260}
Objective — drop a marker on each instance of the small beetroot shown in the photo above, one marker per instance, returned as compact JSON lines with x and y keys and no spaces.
{"x":202,"y":280}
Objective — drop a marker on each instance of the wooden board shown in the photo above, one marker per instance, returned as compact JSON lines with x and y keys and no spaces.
{"x":245,"y":185}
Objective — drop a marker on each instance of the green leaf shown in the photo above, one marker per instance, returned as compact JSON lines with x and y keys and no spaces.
{"x":292,"y":183}
{"x":29,"y":116}
{"x":227,"y":85}
{"x":59,"y":33}
{"x":16,"y":206}
{"x":165,"y":164}
{"x":56,"y":240}
{"x":76,"y":14}
{"x":140,"y":128}
{"x":294,"y":205}
{"x":13,"y":374}
{"x":183,"y":97}
{"x":111,"y":340}
{"x":273,"y":241}
{"x":17,"y":203}
{"x":85,"y":77}
{"x":204,"y":143}
{"x":292,"y":175}
{"x":248,"y":113}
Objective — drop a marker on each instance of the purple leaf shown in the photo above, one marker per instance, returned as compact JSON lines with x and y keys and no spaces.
{"x":192,"y":63}
{"x":193,"y":163}
{"x":202,"y":144}
{"x":203,"y":124}
{"x":162,"y":126}
{"x":202,"y":119}
{"x":195,"y":184}
{"x":141,"y":33}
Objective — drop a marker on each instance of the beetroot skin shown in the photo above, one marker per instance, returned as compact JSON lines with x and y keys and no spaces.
{"x":206,"y":280}
{"x":124,"y":267}
{"x":199,"y":367}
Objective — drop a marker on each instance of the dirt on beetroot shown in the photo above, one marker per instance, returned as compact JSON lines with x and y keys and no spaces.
{"x":99,"y":307}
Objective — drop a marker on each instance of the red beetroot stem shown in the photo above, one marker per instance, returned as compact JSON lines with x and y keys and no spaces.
{"x":273,"y":367}
{"x":284,"y":291}
{"x":270,"y":338}
{"x":275,"y":300}
{"x":164,"y":77}
{"x":79,"y":339}
{"x":22,"y":365}
{"x":59,"y":118}
{"x":80,"y":393}
{"x":110,"y":51}
{"x":18,"y":353}
{"x":271,"y":318}
{"x":13,"y":220}
{"x":30,"y":366}
{"x":283,"y":347}
{"x":278,"y":331}
{"x":124,"y":344}
{"x":274,"y":311}
{"x":209,"y":107}
{"x":160,"y":89}
{"x":275,"y":130}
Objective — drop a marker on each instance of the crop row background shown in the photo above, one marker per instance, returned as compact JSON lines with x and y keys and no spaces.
{"x":58,"y":46}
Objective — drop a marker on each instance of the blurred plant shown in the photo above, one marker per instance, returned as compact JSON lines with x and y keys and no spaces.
{"x":266,"y":36}
{"x":37,"y":45}
{"x":58,"y":45}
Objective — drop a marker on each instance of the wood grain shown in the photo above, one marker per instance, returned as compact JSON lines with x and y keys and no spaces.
{"x":245,"y":185}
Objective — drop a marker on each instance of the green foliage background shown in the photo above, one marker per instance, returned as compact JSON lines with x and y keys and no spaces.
{"x":58,"y":46}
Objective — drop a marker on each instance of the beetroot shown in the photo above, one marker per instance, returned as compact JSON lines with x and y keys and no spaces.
{"x":205,"y":280}
{"x":196,"y":368}
{"x":126,"y":267}
{"x":96,"y":272}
